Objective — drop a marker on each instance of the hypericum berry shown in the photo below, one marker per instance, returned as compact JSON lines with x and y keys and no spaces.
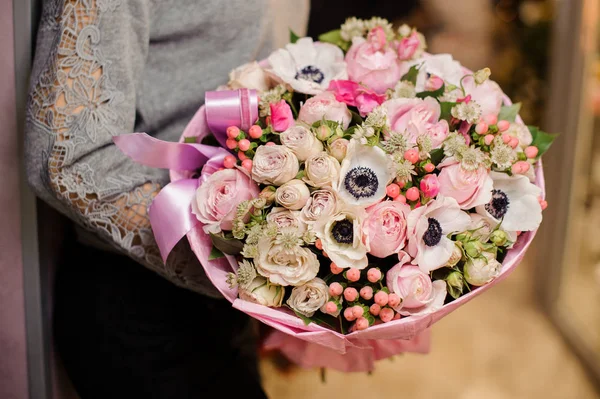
{"x":393,"y":190}
{"x":481,"y":128}
{"x":531,"y":151}
{"x":381,"y":298}
{"x":361,"y":324}
{"x":319,"y":244}
{"x":412,"y":155}
{"x":242,"y":156}
{"x":348,"y":315}
{"x":429,"y":167}
{"x":335,"y":269}
{"x":357,"y":311}
{"x":375,"y":309}
{"x":543,"y":204}
{"x":374,"y":275}
{"x":350,"y":294}
{"x":386,"y":315}
{"x":233,"y":132}
{"x":503,"y":126}
{"x":335,"y":289}
{"x":401,"y":184}
{"x":231,"y":144}
{"x":244,"y":145}
{"x":393,"y":300}
{"x":229,"y":161}
{"x":488,"y":139}
{"x":353,"y":274}
{"x":514,"y":142}
{"x":269,"y":143}
{"x":490,"y":119}
{"x":506,"y":138}
{"x":331,"y":307}
{"x":400,"y":198}
{"x":520,"y":167}
{"x":412,"y":194}
{"x":255,"y":131}
{"x":247,"y":164}
{"x":366,"y":293}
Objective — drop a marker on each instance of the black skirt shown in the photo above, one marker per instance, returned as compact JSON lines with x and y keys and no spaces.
{"x":123,"y":331}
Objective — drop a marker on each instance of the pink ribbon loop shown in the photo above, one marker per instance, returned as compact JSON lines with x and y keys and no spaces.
{"x":226,"y":108}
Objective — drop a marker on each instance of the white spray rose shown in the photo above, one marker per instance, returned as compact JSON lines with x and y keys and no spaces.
{"x":338,"y":149}
{"x":250,"y":76}
{"x":286,"y":266}
{"x":321,"y":204}
{"x":292,"y":195}
{"x":301,"y":141}
{"x":260,"y":291}
{"x":283,"y":218}
{"x":274,"y":164}
{"x":322,"y":170}
{"x":482,"y":270}
{"x":310,"y":297}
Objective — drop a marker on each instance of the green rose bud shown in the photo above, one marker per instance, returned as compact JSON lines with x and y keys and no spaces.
{"x":268,"y":193}
{"x":464,"y":237}
{"x":323,"y":132}
{"x":456,"y":283}
{"x":474,"y":248}
{"x":456,"y":256}
{"x":499,"y":238}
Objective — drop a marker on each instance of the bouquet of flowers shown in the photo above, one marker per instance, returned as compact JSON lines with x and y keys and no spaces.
{"x":361,"y":190}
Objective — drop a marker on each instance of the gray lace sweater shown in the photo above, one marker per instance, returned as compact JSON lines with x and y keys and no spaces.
{"x":107,"y":67}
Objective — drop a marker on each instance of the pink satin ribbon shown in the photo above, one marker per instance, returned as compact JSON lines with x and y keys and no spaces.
{"x":230,"y":108}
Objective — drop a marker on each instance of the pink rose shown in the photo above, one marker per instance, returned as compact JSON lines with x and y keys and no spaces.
{"x":281,"y":116}
{"x":325,"y":106}
{"x":384,"y":229}
{"x":469,"y":188}
{"x":418,"y":293}
{"x":434,"y":83}
{"x":415,"y":116}
{"x":430,"y":185}
{"x":216,"y":200}
{"x":373,"y":62}
{"x":408,"y":46}
{"x":356,"y":95}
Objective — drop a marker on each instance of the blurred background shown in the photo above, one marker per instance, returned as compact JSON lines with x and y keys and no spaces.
{"x":536,"y":335}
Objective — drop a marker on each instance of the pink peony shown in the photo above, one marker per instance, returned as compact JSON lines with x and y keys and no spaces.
{"x":415,"y":116}
{"x":325,"y":106}
{"x":488,"y":95}
{"x":281,"y":116}
{"x":430,"y":185}
{"x":356,"y":95}
{"x":216,"y":200}
{"x":373,"y":62}
{"x":384,"y":229}
{"x":418,"y":293}
{"x":469,"y":188}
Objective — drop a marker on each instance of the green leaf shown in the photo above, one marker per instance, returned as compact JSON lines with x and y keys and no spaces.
{"x":356,"y":118}
{"x":434,"y":93}
{"x":191,"y":139}
{"x":293,"y":37}
{"x":411,"y":75}
{"x":509,"y":113}
{"x":319,"y":318}
{"x":215,"y":254}
{"x":335,"y":37}
{"x":541,"y":140}
{"x":446,"y":108}
{"x":229,"y":246}
{"x":436,"y":156}
{"x":306,"y":320}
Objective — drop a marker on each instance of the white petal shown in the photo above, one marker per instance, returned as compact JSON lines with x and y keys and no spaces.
{"x":431,"y":258}
{"x":303,"y":52}
{"x":451,"y":218}
{"x":524,"y":214}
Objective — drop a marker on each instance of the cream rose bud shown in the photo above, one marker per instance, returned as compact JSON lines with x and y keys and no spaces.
{"x":482,"y":270}
{"x":282,"y":218}
{"x":274,"y":164}
{"x":321,"y":204}
{"x":249,"y":76}
{"x":216,"y":200}
{"x":321,"y":170}
{"x":338,"y":149}
{"x":263,"y":293}
{"x":301,"y":141}
{"x":285,"y":266}
{"x":310,"y":297}
{"x":324,"y":106}
{"x":292,"y":195}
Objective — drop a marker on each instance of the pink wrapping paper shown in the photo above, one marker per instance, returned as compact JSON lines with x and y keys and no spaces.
{"x":316,"y":346}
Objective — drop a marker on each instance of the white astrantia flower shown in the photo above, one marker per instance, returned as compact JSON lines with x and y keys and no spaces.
{"x":377,"y":118}
{"x":428,"y":228}
{"x":308,"y":67}
{"x":454,"y":144}
{"x":470,"y":112}
{"x":403,"y":89}
{"x":308,"y":298}
{"x":364,"y":175}
{"x":514,"y":203}
{"x":502,"y":155}
{"x":341,"y":236}
{"x":374,"y":22}
{"x":353,"y":27}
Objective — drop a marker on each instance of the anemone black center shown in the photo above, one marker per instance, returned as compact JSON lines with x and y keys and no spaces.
{"x":361,"y":182}
{"x":433,"y":235}
{"x":499,"y":204}
{"x":343,"y":231}
{"x":311,"y":73}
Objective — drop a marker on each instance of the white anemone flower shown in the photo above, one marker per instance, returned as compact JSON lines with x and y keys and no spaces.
{"x":514,"y":203}
{"x":442,"y":65}
{"x":308,"y":67}
{"x":364,"y":175}
{"x":341,"y":236}
{"x":428,"y":228}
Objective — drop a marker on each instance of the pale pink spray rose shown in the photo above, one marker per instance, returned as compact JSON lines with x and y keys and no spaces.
{"x":325,"y":106}
{"x":434,"y":83}
{"x":408,"y":46}
{"x":356,"y":95}
{"x":216,"y":200}
{"x":488,"y":95}
{"x":373,"y":62}
{"x":418,"y":293}
{"x":384,"y":229}
{"x":281,"y":116}
{"x":430,"y":185}
{"x":414,"y":117}
{"x":469,"y":188}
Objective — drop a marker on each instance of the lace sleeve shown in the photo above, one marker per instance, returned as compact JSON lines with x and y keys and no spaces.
{"x":88,"y":55}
